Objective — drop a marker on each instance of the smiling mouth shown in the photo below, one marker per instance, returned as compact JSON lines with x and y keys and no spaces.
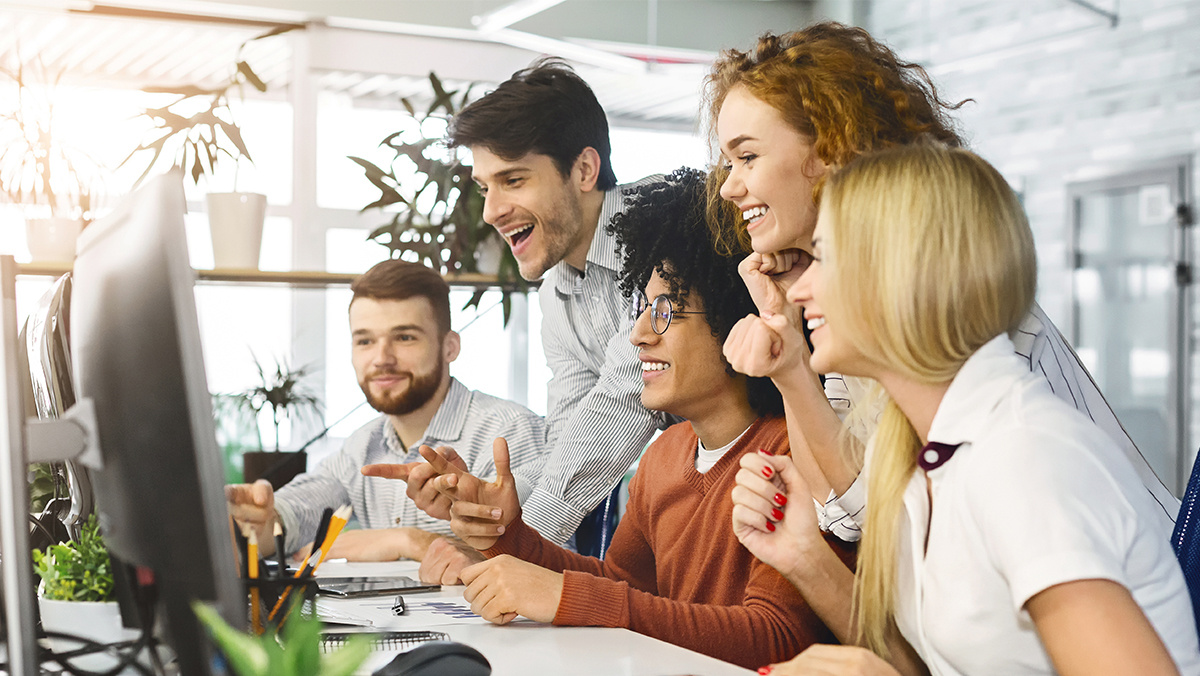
{"x":816,"y":323}
{"x":654,"y":366}
{"x":754,"y":215}
{"x":519,"y":235}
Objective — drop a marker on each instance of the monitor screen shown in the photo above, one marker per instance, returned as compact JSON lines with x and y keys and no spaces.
{"x":135,"y":348}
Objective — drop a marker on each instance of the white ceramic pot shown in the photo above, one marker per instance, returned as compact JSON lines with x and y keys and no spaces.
{"x":98,"y":621}
{"x":235,"y":220}
{"x":52,"y":240}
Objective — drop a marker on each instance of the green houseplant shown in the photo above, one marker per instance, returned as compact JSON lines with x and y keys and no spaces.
{"x":196,"y":130}
{"x":296,"y":652}
{"x":53,"y":181}
{"x":436,"y":209}
{"x":280,"y":389}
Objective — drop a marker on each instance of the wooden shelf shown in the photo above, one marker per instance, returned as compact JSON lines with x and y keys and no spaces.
{"x":311,"y":279}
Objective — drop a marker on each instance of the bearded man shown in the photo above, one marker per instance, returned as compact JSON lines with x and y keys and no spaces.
{"x":401,"y":348}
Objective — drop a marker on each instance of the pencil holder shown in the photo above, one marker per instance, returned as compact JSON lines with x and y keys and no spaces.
{"x":277,"y":600}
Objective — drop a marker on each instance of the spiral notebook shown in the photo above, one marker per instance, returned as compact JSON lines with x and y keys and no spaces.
{"x":390,"y":640}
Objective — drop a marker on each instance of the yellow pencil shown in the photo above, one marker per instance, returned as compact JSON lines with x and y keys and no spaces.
{"x":252,"y":567}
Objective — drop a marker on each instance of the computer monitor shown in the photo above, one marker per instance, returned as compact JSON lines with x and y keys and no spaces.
{"x":135,"y":348}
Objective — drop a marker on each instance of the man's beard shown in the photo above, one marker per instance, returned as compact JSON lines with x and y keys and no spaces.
{"x":420,"y":390}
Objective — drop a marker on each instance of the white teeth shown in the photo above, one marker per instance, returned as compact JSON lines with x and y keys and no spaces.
{"x":655,"y":366}
{"x":754,"y":213}
{"x":512,"y":233}
{"x":814,"y":324}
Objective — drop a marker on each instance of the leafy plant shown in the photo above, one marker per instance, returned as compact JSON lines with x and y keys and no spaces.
{"x":199,"y":139}
{"x":297,"y":654}
{"x":76,"y":571}
{"x":439,"y":222}
{"x":36,"y":167}
{"x":282,"y":391}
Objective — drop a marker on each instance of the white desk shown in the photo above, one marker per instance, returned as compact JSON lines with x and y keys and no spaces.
{"x":526,"y":649}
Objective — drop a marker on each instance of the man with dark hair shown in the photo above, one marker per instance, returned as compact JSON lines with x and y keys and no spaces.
{"x":402,"y":346}
{"x":540,"y":151}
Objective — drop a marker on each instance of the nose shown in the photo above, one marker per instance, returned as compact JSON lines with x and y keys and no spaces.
{"x":800,"y":291}
{"x":384,"y":354}
{"x":640,"y":334}
{"x":732,"y":187}
{"x":495,"y":207}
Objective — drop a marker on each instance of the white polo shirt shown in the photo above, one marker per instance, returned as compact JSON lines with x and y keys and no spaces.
{"x":1035,"y":495}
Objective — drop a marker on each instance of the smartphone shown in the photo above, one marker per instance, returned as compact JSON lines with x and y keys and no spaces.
{"x":372,"y":586}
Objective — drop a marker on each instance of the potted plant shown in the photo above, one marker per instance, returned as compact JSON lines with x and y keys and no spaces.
{"x":53,"y":181}
{"x":296,"y":652}
{"x":439,"y":222}
{"x":197,"y":141}
{"x":76,"y":595}
{"x":282,"y":391}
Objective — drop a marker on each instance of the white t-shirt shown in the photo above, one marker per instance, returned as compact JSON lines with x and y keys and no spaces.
{"x":705,"y":459}
{"x":1035,"y":495}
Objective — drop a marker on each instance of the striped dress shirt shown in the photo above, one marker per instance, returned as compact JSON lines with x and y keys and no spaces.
{"x":596,"y":424}
{"x":1040,"y":344}
{"x":467,"y":421}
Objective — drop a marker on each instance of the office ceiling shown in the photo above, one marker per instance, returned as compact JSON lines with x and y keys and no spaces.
{"x":644,"y":58}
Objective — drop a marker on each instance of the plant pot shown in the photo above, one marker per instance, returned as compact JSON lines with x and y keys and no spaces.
{"x":52,"y":240}
{"x":235,"y":220}
{"x":278,"y":467}
{"x":98,"y":621}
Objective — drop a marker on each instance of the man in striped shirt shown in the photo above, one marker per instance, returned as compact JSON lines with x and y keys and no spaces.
{"x":402,"y":346}
{"x":540,"y":151}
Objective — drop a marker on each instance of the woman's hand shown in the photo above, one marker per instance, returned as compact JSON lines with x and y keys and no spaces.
{"x":773,"y":513}
{"x":832,"y":660}
{"x":765,"y":346}
{"x":768,"y":278}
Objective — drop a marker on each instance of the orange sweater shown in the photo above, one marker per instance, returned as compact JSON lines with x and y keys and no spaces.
{"x":675,"y":570}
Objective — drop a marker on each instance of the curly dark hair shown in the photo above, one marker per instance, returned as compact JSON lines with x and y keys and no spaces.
{"x":664,"y":229}
{"x":847,"y":92}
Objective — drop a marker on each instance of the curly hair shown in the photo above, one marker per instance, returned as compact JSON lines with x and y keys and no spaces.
{"x":664,"y":229}
{"x":841,"y":88}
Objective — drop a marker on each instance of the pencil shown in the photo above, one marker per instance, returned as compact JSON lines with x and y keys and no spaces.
{"x":335,"y":524}
{"x":252,"y":568}
{"x":279,"y":547}
{"x":309,"y":563}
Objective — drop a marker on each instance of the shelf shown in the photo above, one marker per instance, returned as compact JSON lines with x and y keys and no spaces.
{"x":310,"y":279}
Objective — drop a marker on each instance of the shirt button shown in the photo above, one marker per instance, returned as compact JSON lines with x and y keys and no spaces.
{"x":397,"y":521}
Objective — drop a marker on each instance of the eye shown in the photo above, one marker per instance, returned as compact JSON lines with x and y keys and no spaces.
{"x":360,"y":342}
{"x":747,"y":158}
{"x":515,"y":181}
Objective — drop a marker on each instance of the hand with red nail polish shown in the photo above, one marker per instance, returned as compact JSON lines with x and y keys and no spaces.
{"x":823,"y":660}
{"x":781,"y":540}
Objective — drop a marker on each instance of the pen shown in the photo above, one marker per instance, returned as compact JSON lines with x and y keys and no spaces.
{"x":279,"y":547}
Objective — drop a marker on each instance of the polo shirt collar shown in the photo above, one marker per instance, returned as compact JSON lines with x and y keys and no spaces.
{"x":977,"y":389}
{"x":603,"y":249}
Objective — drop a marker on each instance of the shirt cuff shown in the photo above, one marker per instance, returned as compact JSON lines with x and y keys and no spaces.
{"x":591,"y":601}
{"x":843,"y":515}
{"x":553,"y":517}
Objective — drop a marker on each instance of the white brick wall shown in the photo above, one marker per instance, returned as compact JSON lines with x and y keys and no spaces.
{"x":1061,"y":96}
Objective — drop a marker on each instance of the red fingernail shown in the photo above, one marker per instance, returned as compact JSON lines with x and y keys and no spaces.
{"x":767,"y":471}
{"x":770,"y":527}
{"x":777,"y":515}
{"x":765,"y":451}
{"x":780,"y":499}
{"x":766,"y":670}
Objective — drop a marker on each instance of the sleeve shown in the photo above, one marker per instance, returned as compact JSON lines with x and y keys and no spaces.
{"x":526,"y":437}
{"x":596,"y":428}
{"x":300,"y":503}
{"x":1083,"y":532}
{"x":844,"y":515}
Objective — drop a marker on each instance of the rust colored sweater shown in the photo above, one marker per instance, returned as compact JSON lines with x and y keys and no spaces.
{"x":675,"y":570}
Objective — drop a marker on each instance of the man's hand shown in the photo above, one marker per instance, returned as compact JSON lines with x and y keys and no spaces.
{"x":375,"y":544}
{"x":445,"y":560}
{"x":253,"y":506}
{"x":481,"y":509}
{"x":833,"y":660}
{"x":419,"y":476}
{"x":499,"y":589}
{"x":773,"y":513}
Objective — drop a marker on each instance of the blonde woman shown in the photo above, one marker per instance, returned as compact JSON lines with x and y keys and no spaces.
{"x":1006,"y":533}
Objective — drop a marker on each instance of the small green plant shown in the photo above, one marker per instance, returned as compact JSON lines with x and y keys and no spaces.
{"x":76,"y":571}
{"x":296,"y":653}
{"x":281,"y":390}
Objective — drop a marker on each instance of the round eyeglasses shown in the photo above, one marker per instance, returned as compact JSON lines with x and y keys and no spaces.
{"x":660,"y":311}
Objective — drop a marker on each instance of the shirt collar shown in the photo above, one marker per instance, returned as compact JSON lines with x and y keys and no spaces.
{"x":978,"y":387}
{"x":447,"y":424}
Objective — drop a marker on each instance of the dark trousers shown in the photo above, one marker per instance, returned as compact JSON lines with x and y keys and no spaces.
{"x":596,"y":530}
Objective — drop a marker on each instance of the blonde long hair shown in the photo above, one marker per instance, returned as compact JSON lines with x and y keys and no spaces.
{"x":928,"y":256}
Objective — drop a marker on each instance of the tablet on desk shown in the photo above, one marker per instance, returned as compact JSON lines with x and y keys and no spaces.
{"x":372,"y":586}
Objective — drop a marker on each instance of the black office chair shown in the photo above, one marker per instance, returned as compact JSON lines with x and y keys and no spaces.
{"x":1186,"y":539}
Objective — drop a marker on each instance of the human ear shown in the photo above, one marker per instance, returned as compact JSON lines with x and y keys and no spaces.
{"x":586,"y":171}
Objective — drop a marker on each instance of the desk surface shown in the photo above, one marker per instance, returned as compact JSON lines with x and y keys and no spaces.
{"x":527,"y":649}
